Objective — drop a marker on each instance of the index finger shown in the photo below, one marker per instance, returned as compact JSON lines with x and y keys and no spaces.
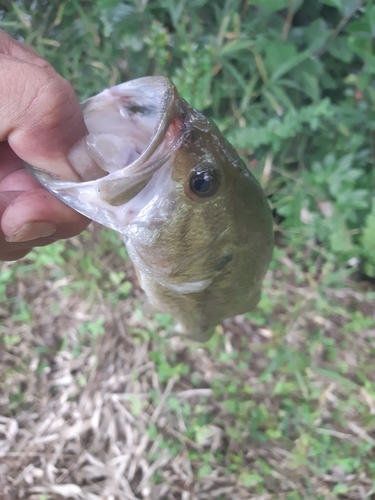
{"x":40,"y":115}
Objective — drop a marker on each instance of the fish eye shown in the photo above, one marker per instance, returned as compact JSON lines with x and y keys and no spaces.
{"x":205,"y":181}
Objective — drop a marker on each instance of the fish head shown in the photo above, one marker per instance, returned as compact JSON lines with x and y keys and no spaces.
{"x":195,"y":222}
{"x":207,"y":218}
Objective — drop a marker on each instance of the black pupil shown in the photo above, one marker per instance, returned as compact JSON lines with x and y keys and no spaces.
{"x":206,"y":181}
{"x":202,"y":185}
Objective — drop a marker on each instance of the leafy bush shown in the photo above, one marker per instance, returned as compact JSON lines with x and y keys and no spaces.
{"x":290,"y":82}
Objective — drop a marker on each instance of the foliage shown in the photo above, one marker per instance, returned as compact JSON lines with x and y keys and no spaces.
{"x":290,"y":83}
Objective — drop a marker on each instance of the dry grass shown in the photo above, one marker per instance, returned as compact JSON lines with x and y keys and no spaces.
{"x":79,"y":436}
{"x":126,"y":414}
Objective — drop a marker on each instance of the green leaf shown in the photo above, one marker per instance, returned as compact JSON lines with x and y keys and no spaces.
{"x":336,"y":377}
{"x":334,"y":3}
{"x":341,"y":240}
{"x":367,"y":239}
{"x":250,"y":479}
{"x":339,"y":48}
{"x":350,"y":6}
{"x":370,"y":17}
{"x":277,"y":54}
{"x":370,"y":63}
{"x":271,"y":5}
{"x":317,"y":33}
{"x":294,"y":61}
{"x":310,"y":85}
{"x":235,"y":46}
{"x":346,"y":7}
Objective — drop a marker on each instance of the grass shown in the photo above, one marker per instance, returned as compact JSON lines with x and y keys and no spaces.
{"x":96,"y":403}
{"x":279,"y":404}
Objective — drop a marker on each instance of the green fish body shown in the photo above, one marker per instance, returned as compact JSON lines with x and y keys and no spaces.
{"x":196,"y":223}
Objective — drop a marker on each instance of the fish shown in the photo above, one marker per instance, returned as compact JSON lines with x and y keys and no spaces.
{"x":196,"y":223}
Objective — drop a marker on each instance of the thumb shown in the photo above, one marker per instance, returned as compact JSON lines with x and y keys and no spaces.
{"x":40,"y":115}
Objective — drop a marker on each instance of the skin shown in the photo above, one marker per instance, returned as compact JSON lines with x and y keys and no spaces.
{"x":40,"y":122}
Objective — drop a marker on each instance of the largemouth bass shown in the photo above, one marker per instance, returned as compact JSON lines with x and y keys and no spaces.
{"x":195,"y":222}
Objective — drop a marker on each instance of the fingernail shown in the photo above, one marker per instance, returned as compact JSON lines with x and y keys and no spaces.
{"x":32,"y":231}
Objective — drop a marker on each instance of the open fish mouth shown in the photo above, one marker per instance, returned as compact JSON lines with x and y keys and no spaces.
{"x":134,"y":128}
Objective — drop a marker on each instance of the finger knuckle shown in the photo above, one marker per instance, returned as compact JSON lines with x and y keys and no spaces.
{"x":53,"y":102}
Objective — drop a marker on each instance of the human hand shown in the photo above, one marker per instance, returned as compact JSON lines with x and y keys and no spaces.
{"x":40,"y":121}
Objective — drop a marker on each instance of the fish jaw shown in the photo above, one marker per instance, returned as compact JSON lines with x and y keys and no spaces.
{"x":81,"y":196}
{"x":144,"y":112}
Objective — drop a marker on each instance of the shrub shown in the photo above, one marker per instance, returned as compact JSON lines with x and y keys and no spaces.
{"x":290,"y":82}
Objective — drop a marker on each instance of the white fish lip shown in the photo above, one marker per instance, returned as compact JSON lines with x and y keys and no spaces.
{"x":97,"y":199}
